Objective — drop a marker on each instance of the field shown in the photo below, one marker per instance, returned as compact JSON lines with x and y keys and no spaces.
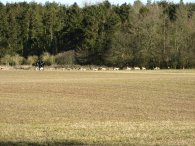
{"x":81,"y":108}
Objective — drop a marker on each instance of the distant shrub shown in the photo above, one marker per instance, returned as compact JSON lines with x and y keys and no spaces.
{"x":48,"y":59}
{"x":66,"y":58}
{"x":17,"y":59}
{"x":6,"y":60}
{"x":31,"y":60}
{"x":12,"y":60}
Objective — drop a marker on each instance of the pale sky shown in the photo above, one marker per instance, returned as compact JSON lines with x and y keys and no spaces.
{"x":82,"y":2}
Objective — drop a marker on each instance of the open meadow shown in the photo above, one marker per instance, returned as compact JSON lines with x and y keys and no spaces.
{"x":86,"y":107}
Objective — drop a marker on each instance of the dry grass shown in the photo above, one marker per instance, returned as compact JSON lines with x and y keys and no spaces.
{"x":138,"y":108}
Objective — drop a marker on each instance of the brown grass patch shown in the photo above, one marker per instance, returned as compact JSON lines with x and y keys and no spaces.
{"x":150,"y":107}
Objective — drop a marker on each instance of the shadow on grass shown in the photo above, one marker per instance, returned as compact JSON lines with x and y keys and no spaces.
{"x":24,"y":143}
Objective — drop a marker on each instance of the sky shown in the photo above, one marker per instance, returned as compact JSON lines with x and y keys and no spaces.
{"x":82,"y":2}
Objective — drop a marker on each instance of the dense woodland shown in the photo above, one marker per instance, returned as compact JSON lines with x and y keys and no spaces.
{"x":153,"y":34}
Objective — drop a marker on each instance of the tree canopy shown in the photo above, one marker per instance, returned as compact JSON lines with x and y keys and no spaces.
{"x":155,"y":34}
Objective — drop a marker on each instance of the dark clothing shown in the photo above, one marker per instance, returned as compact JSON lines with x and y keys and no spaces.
{"x":40,"y":64}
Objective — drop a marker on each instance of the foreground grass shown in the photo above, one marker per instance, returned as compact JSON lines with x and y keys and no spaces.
{"x":135,"y":133}
{"x":57,"y":108}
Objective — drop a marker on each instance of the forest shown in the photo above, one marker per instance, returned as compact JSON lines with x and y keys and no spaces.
{"x":153,"y":34}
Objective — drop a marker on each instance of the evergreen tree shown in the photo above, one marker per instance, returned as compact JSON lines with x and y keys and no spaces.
{"x":156,"y":34}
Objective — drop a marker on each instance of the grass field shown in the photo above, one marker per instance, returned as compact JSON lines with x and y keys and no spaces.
{"x":80,"y":108}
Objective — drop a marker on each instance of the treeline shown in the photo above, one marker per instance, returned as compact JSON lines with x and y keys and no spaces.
{"x":155,"y":34}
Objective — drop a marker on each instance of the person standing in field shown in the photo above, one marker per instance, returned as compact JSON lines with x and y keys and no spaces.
{"x":40,"y":65}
